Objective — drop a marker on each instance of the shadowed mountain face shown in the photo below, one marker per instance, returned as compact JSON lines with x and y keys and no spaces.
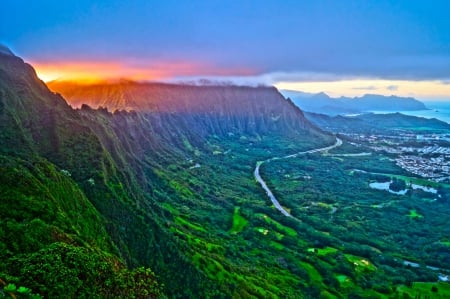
{"x":117,"y":184}
{"x":215,"y":109}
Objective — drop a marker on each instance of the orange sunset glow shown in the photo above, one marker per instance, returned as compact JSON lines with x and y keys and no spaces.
{"x":90,"y":71}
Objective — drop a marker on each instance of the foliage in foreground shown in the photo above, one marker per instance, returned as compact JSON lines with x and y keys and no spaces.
{"x":53,"y":241}
{"x":78,"y":272}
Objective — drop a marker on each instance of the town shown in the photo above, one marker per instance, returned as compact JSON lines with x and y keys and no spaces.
{"x":425,"y":155}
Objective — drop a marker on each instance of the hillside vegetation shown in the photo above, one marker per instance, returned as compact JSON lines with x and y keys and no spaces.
{"x":153,"y":195}
{"x":89,"y":197}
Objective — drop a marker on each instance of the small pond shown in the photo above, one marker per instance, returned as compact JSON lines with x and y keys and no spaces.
{"x":385,"y":186}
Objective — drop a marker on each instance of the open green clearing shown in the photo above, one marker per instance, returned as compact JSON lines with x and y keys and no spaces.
{"x":239,"y":222}
{"x":280,"y":227}
{"x":323,"y":251}
{"x":430,"y":290}
{"x":360,"y":263}
{"x":413,"y":214}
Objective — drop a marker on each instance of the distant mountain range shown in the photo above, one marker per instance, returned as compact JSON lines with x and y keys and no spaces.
{"x":322,"y":103}
{"x":376,"y":123}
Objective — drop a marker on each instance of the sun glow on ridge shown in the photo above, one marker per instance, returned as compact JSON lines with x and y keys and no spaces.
{"x":93,"y":71}
{"x":88,"y":71}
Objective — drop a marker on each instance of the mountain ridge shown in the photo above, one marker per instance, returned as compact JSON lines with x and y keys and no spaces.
{"x":217,"y":109}
{"x":5,"y":50}
{"x":124,"y":166}
{"x":91,"y":199}
{"x":322,"y":103}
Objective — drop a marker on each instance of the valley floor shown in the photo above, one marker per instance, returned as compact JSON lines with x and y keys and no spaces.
{"x":343,"y":239}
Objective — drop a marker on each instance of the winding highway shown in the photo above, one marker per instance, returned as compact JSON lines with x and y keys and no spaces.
{"x":442,"y":276}
{"x":267,"y":189}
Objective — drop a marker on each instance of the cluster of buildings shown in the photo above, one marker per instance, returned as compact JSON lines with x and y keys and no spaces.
{"x":426,"y":156}
{"x":433,"y":168}
{"x":435,"y":149}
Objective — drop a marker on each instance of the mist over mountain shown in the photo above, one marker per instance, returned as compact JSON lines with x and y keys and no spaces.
{"x":322,"y":103}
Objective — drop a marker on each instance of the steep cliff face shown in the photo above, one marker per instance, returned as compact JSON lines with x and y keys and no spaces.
{"x":27,"y":107}
{"x":208,"y":109}
{"x":100,"y":201}
{"x":129,"y":192}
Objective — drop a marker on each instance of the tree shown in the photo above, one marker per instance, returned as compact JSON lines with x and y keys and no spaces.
{"x":77,"y":272}
{"x":397,"y":185}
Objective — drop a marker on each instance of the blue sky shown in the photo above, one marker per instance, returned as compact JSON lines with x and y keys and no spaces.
{"x":289,"y":41}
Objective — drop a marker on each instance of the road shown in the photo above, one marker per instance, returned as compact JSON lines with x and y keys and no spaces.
{"x":267,"y":189}
{"x":442,"y":276}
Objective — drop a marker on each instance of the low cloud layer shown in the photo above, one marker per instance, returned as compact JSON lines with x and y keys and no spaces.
{"x":365,"y":88}
{"x":392,"y":87}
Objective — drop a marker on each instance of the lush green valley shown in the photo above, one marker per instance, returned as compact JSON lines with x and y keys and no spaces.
{"x":160,"y":200}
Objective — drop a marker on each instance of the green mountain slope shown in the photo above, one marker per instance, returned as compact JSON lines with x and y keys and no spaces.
{"x":91,"y":200}
{"x":88,"y":193}
{"x":37,"y":124}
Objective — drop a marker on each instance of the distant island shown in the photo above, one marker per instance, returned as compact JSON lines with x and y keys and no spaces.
{"x":323,"y":103}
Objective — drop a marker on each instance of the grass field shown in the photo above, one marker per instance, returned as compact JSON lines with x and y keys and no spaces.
{"x":323,"y":251}
{"x":239,"y":222}
{"x":413,"y":214}
{"x":280,"y":227}
{"x":431,"y":290}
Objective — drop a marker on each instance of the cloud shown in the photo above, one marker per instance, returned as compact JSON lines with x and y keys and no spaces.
{"x":392,"y":87}
{"x":236,"y":35}
{"x":365,"y":88}
{"x":304,"y":77}
{"x":246,"y":77}
{"x":145,"y":70}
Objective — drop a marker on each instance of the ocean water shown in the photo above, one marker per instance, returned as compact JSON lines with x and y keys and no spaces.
{"x":439,"y":110}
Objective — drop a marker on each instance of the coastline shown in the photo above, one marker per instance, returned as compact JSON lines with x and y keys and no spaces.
{"x":438,"y":110}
